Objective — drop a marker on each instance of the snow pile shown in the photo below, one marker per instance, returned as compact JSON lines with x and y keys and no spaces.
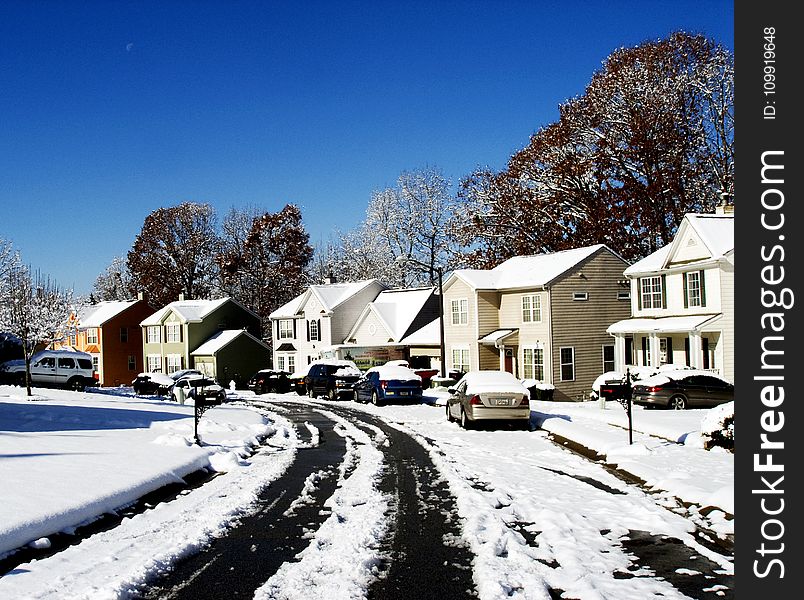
{"x":717,"y":427}
{"x":395,"y":372}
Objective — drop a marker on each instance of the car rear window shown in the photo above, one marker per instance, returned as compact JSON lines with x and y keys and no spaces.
{"x":85,"y":363}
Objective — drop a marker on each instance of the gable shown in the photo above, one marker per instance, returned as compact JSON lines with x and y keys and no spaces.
{"x":687,"y":247}
{"x":370,"y":330}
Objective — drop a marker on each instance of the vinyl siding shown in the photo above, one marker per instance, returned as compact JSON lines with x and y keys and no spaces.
{"x":725,"y":357}
{"x":464,"y":336}
{"x":345,"y":315}
{"x":582,"y":324}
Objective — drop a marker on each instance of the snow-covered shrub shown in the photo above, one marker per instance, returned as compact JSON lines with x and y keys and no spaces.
{"x":717,"y":427}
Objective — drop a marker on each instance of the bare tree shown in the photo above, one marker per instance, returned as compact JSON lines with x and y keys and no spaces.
{"x":115,"y":283}
{"x":36,"y":312}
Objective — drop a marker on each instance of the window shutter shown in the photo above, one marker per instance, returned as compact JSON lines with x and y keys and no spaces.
{"x":294,"y":328}
{"x":319,"y":330}
{"x":645,"y":351}
{"x":664,"y":291}
{"x":308,"y":330}
{"x":703,"y":288}
{"x":639,"y":293}
{"x":687,"y":350}
{"x":670,"y":350}
{"x":686,"y":300}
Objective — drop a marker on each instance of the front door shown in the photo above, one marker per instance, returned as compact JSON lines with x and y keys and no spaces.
{"x":509,"y":360}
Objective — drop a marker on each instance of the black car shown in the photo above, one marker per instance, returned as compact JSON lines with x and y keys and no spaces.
{"x":683,"y":389}
{"x":268,"y":380}
{"x":151,"y":384}
{"x":333,"y":379}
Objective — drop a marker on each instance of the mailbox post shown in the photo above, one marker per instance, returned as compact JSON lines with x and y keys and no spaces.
{"x":202,"y":404}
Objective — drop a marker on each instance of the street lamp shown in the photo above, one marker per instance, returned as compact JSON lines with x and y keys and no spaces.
{"x":406,"y":259}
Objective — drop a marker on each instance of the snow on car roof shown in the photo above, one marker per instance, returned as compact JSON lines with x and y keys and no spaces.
{"x":488,"y":381}
{"x":677,"y":375}
{"x":302,"y":371}
{"x":395,"y":372}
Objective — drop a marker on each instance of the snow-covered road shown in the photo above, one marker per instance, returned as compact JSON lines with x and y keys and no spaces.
{"x":522,"y":516}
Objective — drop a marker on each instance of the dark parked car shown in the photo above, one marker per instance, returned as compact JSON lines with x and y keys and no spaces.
{"x":268,"y":380}
{"x":389,"y":382}
{"x":149,"y":384}
{"x":331,"y":378}
{"x":683,"y":389}
{"x":196,"y":387}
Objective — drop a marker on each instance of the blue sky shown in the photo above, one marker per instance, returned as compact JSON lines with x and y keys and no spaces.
{"x":110,"y":110}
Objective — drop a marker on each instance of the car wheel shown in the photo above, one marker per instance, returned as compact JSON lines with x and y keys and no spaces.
{"x":76,"y":384}
{"x":677,"y":403}
{"x":310,"y":393}
{"x":301,"y":390}
{"x":375,"y":399}
{"x":465,"y":422}
{"x":332,"y":394}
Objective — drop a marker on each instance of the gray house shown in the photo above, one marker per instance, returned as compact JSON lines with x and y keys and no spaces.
{"x":541,"y":317}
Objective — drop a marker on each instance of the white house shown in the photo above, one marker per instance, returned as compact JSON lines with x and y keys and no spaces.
{"x":682,"y":300}
{"x":317,"y":319}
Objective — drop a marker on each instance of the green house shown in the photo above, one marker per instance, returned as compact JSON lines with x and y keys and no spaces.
{"x":172,"y":334}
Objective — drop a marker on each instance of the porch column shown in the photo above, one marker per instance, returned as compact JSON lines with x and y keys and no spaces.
{"x":696,"y":350}
{"x":619,"y":352}
{"x":655,"y":357}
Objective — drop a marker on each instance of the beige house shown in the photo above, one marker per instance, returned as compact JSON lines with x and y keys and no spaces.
{"x":541,"y":317}
{"x":317,"y":319}
{"x":682,"y":305}
{"x":399,"y":324}
{"x":173,"y":333}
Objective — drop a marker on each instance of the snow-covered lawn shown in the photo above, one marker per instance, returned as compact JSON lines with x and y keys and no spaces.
{"x":67,"y":458}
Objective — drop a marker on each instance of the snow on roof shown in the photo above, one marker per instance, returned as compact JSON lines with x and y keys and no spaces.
{"x":97,"y":314}
{"x":330,"y":295}
{"x":189,"y":311}
{"x":652,"y":262}
{"x":527,"y":271}
{"x":429,"y":335}
{"x":399,"y":308}
{"x":715,"y":231}
{"x":662,"y":324}
{"x":496,"y":335}
{"x":220,"y":340}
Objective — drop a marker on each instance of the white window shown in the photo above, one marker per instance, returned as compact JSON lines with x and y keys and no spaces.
{"x":291,"y":363}
{"x":95,"y":362}
{"x":531,"y":309}
{"x":693,"y":288}
{"x":92,"y":335}
{"x":314,"y":333}
{"x":154,"y":362}
{"x":460,"y":311}
{"x":533,"y":363}
{"x":567,"y":364}
{"x":580,"y":296}
{"x":460,"y":359}
{"x":173,"y":363}
{"x":280,"y":362}
{"x":154,"y":335}
{"x":285,"y":329}
{"x":651,"y":292}
{"x":173,"y":332}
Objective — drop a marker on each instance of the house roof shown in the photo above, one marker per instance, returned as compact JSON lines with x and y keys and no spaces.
{"x":497,"y":335}
{"x":527,"y":271}
{"x":222,"y":339}
{"x":188,"y":311}
{"x":429,"y":335}
{"x":396,"y":310}
{"x":96,"y":315}
{"x":330,"y":296}
{"x":715,"y":231}
{"x":675,"y":324}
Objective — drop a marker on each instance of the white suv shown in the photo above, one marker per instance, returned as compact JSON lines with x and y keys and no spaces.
{"x":62,"y":368}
